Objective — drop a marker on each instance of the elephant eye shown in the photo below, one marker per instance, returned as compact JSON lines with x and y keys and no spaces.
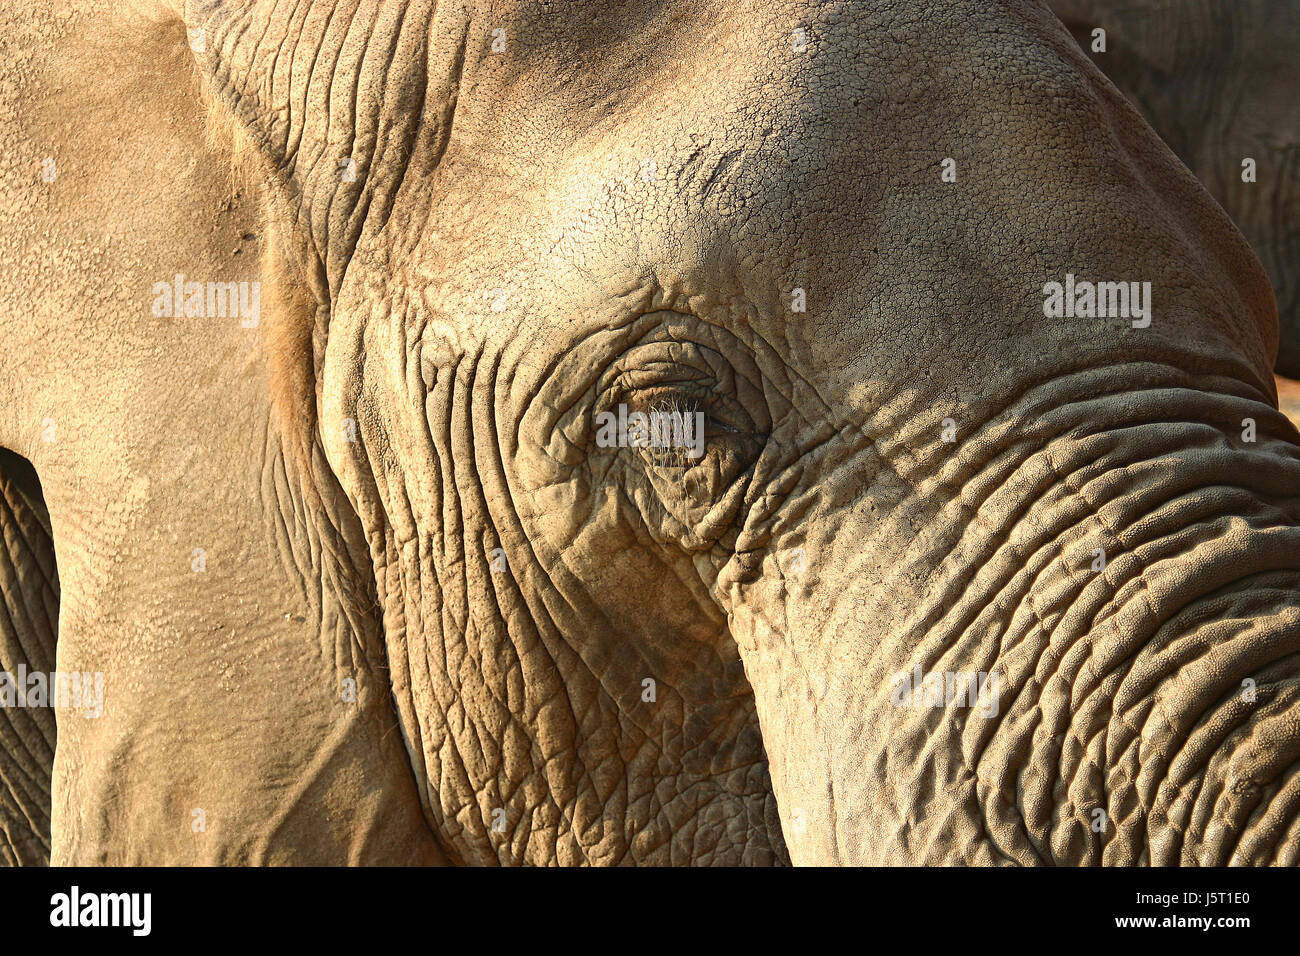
{"x":673,"y":426}
{"x":680,"y":425}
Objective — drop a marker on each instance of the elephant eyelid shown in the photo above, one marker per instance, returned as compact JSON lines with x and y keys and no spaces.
{"x":717,"y":423}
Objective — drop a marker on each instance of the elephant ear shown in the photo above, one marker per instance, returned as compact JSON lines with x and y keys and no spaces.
{"x":331,"y":106}
{"x":336,"y":101}
{"x":29,"y":615}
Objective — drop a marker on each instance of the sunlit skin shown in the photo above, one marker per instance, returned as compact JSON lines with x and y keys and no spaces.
{"x":631,"y":434}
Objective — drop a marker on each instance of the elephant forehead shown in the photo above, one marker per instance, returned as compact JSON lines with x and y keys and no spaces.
{"x":731,"y":144}
{"x":540,"y":84}
{"x":727,"y":164}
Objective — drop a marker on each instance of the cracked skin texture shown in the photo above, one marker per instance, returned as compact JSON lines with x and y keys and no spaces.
{"x":437,"y":335}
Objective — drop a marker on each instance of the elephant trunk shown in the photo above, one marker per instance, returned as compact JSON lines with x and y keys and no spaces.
{"x":1072,"y":641}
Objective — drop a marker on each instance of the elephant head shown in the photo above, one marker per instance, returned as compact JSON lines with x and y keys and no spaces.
{"x":775,"y":430}
{"x":825,"y":233}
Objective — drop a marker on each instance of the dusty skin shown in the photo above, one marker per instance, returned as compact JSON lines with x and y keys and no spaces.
{"x":362,"y":584}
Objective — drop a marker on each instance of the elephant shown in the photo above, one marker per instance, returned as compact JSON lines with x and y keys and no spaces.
{"x":546,"y":432}
{"x":1216,"y":80}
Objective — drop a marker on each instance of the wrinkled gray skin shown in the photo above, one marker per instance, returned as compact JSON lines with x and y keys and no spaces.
{"x":506,"y":263}
{"x":1218,"y":80}
{"x":29,"y":609}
